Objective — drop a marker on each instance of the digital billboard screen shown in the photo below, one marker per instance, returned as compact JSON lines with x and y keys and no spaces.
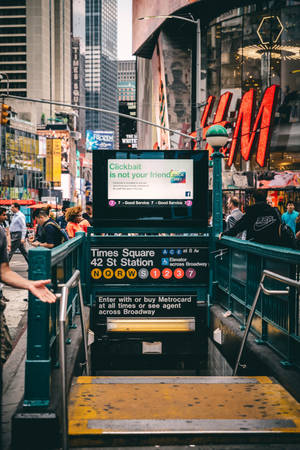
{"x":167,"y":187}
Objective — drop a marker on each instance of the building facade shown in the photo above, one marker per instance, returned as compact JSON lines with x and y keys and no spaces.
{"x":35,"y":59}
{"x":127,"y":80}
{"x":249,"y":62}
{"x":101,"y":64}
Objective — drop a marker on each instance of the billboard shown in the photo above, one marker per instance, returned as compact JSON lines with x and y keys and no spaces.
{"x":145,"y":188}
{"x":53,"y":160}
{"x":99,"y":140}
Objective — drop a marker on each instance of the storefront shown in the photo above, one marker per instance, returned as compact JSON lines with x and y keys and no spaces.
{"x":245,"y":50}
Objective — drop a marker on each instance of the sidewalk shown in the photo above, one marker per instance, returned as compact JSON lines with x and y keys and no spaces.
{"x":13,"y":369}
{"x":15,"y":311}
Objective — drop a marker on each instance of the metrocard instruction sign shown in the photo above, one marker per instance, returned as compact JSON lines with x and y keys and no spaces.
{"x":155,"y":265}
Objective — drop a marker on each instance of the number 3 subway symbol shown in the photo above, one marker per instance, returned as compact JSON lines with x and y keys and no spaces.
{"x":96,"y":274}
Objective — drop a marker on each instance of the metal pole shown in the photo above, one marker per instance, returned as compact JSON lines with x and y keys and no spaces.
{"x":217,"y":200}
{"x":198,"y":85}
{"x":107,"y":111}
{"x":63,"y":371}
{"x":249,"y":321}
{"x":83,"y":328}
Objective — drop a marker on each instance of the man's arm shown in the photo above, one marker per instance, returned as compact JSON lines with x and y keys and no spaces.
{"x":42,"y":244}
{"x":8,"y":238}
{"x":238,"y":227}
{"x":37,"y":288}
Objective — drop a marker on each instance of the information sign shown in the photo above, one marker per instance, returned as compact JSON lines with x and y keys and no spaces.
{"x":150,"y":305}
{"x":142,"y":265}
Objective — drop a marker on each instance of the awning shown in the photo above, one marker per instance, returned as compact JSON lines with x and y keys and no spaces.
{"x":4,"y":201}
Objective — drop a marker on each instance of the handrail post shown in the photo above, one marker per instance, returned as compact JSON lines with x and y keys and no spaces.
{"x":38,"y":363}
{"x":248,"y":325}
{"x":274,"y":276}
{"x":63,"y":371}
{"x":71,"y":283}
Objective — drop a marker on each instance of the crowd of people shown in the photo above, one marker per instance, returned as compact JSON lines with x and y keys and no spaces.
{"x":262,"y":222}
{"x":50,"y":228}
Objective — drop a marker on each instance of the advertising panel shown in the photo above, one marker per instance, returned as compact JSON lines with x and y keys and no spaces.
{"x":56,"y":161}
{"x":22,"y":151}
{"x":142,"y":183}
{"x":169,"y":188}
{"x":64,"y":137}
{"x":53,"y":161}
{"x":99,"y":140}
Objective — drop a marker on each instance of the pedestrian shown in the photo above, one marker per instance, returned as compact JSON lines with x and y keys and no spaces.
{"x":18,"y":232}
{"x":290,"y":216}
{"x":88,"y":215}
{"x":298,"y":231}
{"x":234,"y":215}
{"x":61,"y":220}
{"x":50,"y":234}
{"x":4,"y":224}
{"x":75,"y":221}
{"x":261,"y":221}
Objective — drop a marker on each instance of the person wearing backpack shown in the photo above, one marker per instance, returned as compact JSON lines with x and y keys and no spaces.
{"x":261,"y":221}
{"x":50,"y":233}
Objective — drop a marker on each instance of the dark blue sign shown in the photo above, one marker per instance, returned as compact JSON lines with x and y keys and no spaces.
{"x":99,"y":140}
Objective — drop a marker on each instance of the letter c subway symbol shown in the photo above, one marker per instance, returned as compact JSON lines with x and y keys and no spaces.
{"x":119,"y":274}
{"x":96,"y":274}
{"x":108,"y":273}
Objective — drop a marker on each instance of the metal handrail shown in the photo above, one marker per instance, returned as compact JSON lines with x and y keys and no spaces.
{"x":71,"y":283}
{"x":274,"y":276}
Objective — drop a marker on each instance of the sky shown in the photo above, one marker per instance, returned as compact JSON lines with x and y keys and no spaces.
{"x":124,"y":29}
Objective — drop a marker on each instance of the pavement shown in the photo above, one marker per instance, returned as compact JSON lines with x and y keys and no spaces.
{"x":14,"y":368}
{"x":16,"y":308}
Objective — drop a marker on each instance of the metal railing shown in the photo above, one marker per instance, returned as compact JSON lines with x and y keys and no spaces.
{"x":71,"y":283}
{"x":236,"y":272}
{"x":59,"y":264}
{"x":261,"y":287}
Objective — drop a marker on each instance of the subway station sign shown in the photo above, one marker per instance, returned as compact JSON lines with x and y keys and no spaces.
{"x":144,"y":265}
{"x":145,"y":305}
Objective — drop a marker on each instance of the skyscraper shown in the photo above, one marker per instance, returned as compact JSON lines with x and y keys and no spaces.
{"x":101,"y":69}
{"x":35,"y":53}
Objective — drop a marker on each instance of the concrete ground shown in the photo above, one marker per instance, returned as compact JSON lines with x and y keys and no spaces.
{"x":16,"y":317}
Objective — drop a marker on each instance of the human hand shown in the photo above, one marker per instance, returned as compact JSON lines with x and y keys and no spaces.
{"x":22,"y":241}
{"x":39,"y":290}
{"x":35,"y":243}
{"x":8,"y":248}
{"x":220,"y":236}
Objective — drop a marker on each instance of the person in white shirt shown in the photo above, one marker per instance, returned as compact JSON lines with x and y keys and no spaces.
{"x":18,"y":232}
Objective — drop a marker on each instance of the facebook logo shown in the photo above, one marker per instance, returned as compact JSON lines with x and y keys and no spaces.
{"x":188,"y":193}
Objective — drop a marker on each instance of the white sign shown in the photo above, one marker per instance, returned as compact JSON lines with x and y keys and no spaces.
{"x":150,"y":179}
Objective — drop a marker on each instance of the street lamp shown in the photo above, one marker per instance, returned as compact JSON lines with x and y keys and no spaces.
{"x":217,"y":137}
{"x":198,"y":67}
{"x":2,"y":75}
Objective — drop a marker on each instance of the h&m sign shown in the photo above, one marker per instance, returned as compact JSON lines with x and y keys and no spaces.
{"x":249,"y":131}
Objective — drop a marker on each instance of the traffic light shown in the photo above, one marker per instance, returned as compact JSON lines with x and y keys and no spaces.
{"x":5,"y":114}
